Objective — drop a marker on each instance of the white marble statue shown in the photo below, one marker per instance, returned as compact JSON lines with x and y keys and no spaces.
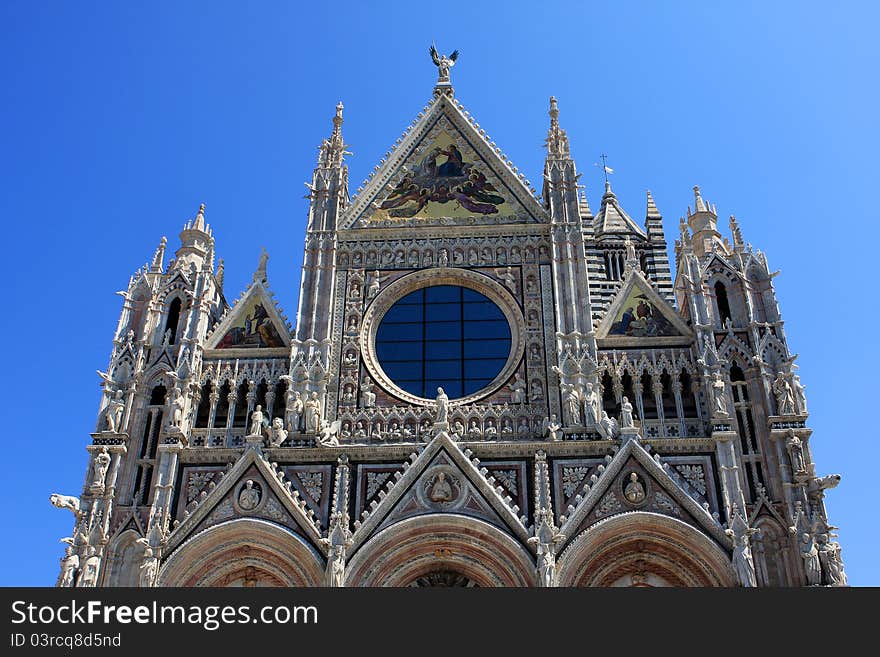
{"x":313,"y":413}
{"x":327,"y":435}
{"x":114,"y":413}
{"x":517,"y":390}
{"x":176,"y":403}
{"x":547,"y":569}
{"x":743,"y":563}
{"x":89,"y":573}
{"x":626,"y":413}
{"x":810,"y":556}
{"x":102,"y":462}
{"x":796,"y":452}
{"x":829,"y":559}
{"x":552,"y":427}
{"x":442,"y":405}
{"x":800,"y":394}
{"x":591,"y":405}
{"x":296,"y":408}
{"x":277,"y":433}
{"x":69,"y":567}
{"x":607,"y":426}
{"x":149,"y":565}
{"x":784,"y":395}
{"x":571,"y":398}
{"x":256,"y":422}
{"x":719,"y":396}
{"x":336,"y":566}
{"x":368,"y":397}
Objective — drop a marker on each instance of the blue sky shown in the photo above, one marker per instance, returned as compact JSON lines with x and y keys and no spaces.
{"x":120,"y":118}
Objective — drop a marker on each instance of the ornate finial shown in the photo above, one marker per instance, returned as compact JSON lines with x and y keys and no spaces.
{"x":337,"y":120}
{"x":737,"y":233}
{"x":605,"y":170}
{"x":333,"y":149}
{"x":159,"y":256}
{"x":260,"y":275}
{"x":699,"y":204}
{"x":221,"y":273}
{"x":199,"y":221}
{"x":557,"y":139}
{"x":443,"y":64}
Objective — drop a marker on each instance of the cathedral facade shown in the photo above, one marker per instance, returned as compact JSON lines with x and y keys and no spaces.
{"x":485,"y":386}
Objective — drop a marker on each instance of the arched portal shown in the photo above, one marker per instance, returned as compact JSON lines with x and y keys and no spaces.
{"x":244,"y":552}
{"x":441,"y":550}
{"x":644,"y":549}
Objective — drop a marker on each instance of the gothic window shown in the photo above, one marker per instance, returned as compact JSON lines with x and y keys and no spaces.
{"x":262,"y":389}
{"x":157,"y":396}
{"x":648,"y":399}
{"x":204,"y":411}
{"x":628,"y":392}
{"x":443,"y":336}
{"x":722,"y":303}
{"x":769,"y":547}
{"x":173,"y":320}
{"x":222,"y":413}
{"x":668,"y":396}
{"x":614,"y":265}
{"x":688,"y":402}
{"x":152,"y":425}
{"x":609,"y":401}
{"x":643,"y":262}
{"x":280,"y":399}
{"x":124,"y":560}
{"x":746,"y":427}
{"x":241,"y":406}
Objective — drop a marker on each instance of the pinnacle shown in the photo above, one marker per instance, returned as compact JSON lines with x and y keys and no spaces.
{"x":199,"y":221}
{"x":652,"y":212}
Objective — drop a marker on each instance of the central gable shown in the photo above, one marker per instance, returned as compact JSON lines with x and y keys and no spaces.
{"x":444,"y":172}
{"x":638,"y":313}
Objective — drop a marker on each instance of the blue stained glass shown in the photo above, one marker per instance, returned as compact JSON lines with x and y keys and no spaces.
{"x":443,"y":335}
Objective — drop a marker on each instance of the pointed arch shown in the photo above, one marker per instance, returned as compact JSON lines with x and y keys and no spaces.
{"x":123,"y":560}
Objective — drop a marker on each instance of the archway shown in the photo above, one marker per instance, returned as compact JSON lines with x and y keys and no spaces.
{"x":244,"y":552}
{"x":441,"y":550}
{"x":644,"y":549}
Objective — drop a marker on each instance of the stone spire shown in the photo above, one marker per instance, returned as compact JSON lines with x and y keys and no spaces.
{"x":333,"y":149}
{"x":199,"y":221}
{"x":703,"y":222}
{"x":221,"y":273}
{"x":159,"y":256}
{"x":195,"y":240}
{"x":738,"y":244}
{"x":557,"y":140}
{"x":260,"y":275}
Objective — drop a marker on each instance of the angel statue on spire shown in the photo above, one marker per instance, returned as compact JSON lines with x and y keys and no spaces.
{"x":443,"y":64}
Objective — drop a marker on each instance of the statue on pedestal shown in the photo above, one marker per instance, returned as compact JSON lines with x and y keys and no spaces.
{"x":784,"y":395}
{"x":256,"y":427}
{"x":552,"y":427}
{"x":114,"y":413}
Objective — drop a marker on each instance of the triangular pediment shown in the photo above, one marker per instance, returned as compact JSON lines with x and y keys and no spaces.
{"x":638,"y":314}
{"x":251,"y":488}
{"x":652,"y":489}
{"x":441,"y":479}
{"x":444,"y":171}
{"x":253,"y":323}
